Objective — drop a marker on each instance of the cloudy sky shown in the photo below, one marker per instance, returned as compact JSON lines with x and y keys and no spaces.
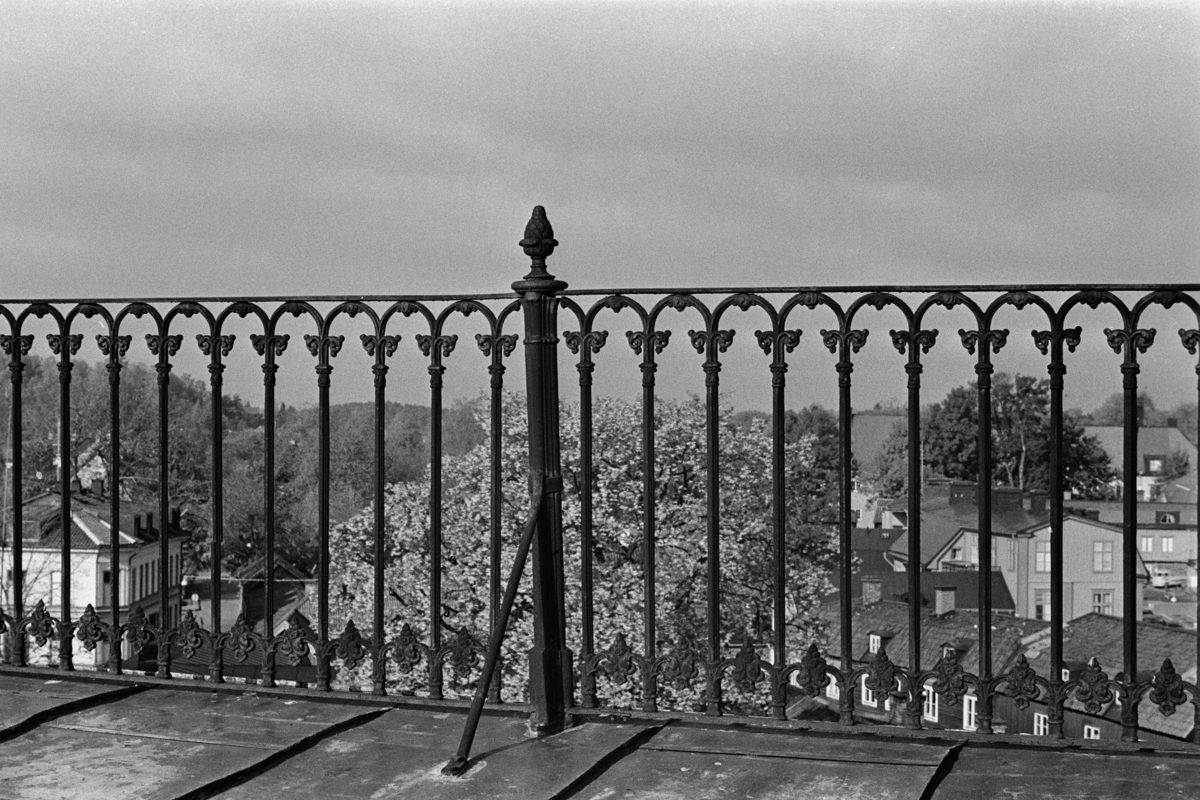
{"x":262,"y":148}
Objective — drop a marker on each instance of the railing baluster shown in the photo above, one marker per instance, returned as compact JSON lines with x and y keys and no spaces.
{"x":17,"y":346}
{"x":65,"y":345}
{"x":648,"y":342}
{"x":216,"y":346}
{"x":114,"y":347}
{"x":712,"y":412}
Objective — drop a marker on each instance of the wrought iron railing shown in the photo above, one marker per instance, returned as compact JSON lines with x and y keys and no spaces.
{"x":558,"y":678}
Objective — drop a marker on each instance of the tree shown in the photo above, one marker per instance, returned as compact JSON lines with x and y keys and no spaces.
{"x":1175,"y":465}
{"x":680,"y":479}
{"x":1020,"y":442}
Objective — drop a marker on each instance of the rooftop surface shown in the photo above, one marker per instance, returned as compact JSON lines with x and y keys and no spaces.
{"x":102,"y":737}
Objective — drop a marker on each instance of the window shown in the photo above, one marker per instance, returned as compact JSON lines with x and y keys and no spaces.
{"x":1091,"y":732}
{"x":832,"y":691}
{"x":107,"y":576}
{"x":1147,"y":544}
{"x":956,"y":554}
{"x":1041,"y":604}
{"x":970,"y":722}
{"x":1042,"y":563}
{"x":1102,"y":602}
{"x":1041,"y":725}
{"x":1102,"y":553}
{"x":1168,"y":544}
{"x":931,"y":705}
{"x":868,"y":697}
{"x":1066,"y":674}
{"x":873,"y":642}
{"x":1155,"y":468}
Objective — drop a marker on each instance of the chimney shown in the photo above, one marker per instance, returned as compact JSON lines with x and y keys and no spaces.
{"x":962,"y":493}
{"x":1006,"y":497}
{"x":76,"y":486}
{"x":1037,"y":502}
{"x":150,"y":523}
{"x":872,"y":590}
{"x":98,"y":487}
{"x":1172,"y":422}
{"x":137,"y":526}
{"x":943,"y":599}
{"x":176,"y":516}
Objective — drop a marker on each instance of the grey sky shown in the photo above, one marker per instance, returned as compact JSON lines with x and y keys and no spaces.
{"x":380,"y":148}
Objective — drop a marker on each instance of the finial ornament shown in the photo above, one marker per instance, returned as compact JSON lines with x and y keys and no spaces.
{"x":539,"y":243}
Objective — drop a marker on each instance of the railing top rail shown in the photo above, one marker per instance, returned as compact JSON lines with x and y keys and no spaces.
{"x":666,"y":290}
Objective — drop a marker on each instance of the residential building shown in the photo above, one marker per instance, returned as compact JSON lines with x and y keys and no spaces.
{"x":92,"y":563}
{"x":1155,"y":444}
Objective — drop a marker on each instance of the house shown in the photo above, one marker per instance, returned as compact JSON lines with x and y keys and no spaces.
{"x":92,"y":565}
{"x":883,"y":625}
{"x":1166,"y":536}
{"x":1155,"y":445}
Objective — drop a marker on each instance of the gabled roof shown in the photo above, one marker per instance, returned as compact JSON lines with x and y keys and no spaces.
{"x":941,"y":522}
{"x":894,"y":587}
{"x":1152,"y":441}
{"x":91,"y":527}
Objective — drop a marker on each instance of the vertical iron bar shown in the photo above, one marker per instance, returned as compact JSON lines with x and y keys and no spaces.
{"x":983,"y":448}
{"x":649,"y":534}
{"x":216,"y":380}
{"x":496,"y":422}
{"x":16,"y":368}
{"x":586,"y":544}
{"x":913,"y":368}
{"x":270,"y":368}
{"x":549,"y":659}
{"x":65,"y":655}
{"x":435,"y":515}
{"x":114,"y":405}
{"x":779,"y":513}
{"x":380,"y":371}
{"x":1057,"y":370}
{"x":712,"y":369}
{"x":1130,"y":612}
{"x":324,"y":370}
{"x":164,"y":524}
{"x":844,"y":369}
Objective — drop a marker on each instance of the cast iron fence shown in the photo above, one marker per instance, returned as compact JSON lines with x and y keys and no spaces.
{"x":560,"y":679}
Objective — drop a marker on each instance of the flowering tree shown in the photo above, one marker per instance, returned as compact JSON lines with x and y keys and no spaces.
{"x":680,"y":480}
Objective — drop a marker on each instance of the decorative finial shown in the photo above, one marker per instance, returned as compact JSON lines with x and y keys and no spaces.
{"x":539,"y":242}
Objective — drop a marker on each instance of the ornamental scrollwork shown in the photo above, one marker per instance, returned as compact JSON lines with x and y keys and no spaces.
{"x":40,"y":625}
{"x":949,"y":678}
{"x":789,"y":340}
{"x":224,"y":343}
{"x":89,"y":629}
{"x":71,"y":341}
{"x":291,"y":644}
{"x":462,"y":653}
{"x":592,"y":341}
{"x":1020,"y":683}
{"x":881,"y":673}
{"x":972,"y":339}
{"x":23,"y":343}
{"x":408,"y":650}
{"x":681,"y":666}
{"x":504,"y":345}
{"x":746,"y":668}
{"x":1093,"y":689}
{"x":113,"y":345}
{"x":923,"y":339}
{"x":1190,"y":339}
{"x":240,"y":640}
{"x":138,"y":632}
{"x":618,"y":661}
{"x":853,"y":339}
{"x":657,"y":340}
{"x":167,"y":344}
{"x":190,"y":637}
{"x":350,"y":647}
{"x":441,"y":346}
{"x":1070,"y":337}
{"x":812,"y":676}
{"x":1140,"y":338}
{"x":701,"y":339}
{"x":1167,"y":689}
{"x":386,"y":344}
{"x":277,"y":344}
{"x":331,"y":344}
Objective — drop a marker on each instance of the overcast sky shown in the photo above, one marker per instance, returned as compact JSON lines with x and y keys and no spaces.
{"x":383,"y":148}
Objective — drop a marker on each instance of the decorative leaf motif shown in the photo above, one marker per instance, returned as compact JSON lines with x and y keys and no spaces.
{"x":948,"y":299}
{"x":291,"y":644}
{"x":616,"y":303}
{"x":191,"y":636}
{"x":1093,"y":690}
{"x":24,"y":343}
{"x":1092,"y":298}
{"x":444,"y":344}
{"x":408,"y":308}
{"x":40,"y":625}
{"x":1021,"y":299}
{"x":747,"y":672}
{"x":1167,"y":690}
{"x":742,"y":300}
{"x":788,"y":339}
{"x":1190,"y":339}
{"x":89,"y":629}
{"x":809,"y":300}
{"x":240,"y":639}
{"x":679,"y":301}
{"x":169,"y":345}
{"x":881,"y":673}
{"x":387,"y":344}
{"x":681,"y":666}
{"x":1020,"y":682}
{"x":950,"y":679}
{"x":72,"y":342}
{"x":408,"y":650}
{"x":1070,"y":337}
{"x":462,"y":653}
{"x":701,"y":339}
{"x":278,"y":343}
{"x":113,"y":345}
{"x":1118,"y":338}
{"x":507,"y":343}
{"x":876,"y":300}
{"x":812,"y":676}
{"x":854,"y":339}
{"x":331,"y":344}
{"x":658,"y":340}
{"x":924,"y":339}
{"x":617,"y":662}
{"x":138,"y":630}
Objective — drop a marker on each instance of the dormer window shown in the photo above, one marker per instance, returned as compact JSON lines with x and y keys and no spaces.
{"x":1066,"y":674}
{"x":874,"y":642}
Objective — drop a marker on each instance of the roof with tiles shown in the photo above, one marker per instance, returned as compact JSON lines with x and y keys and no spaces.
{"x":957,"y":628}
{"x":91,"y":527}
{"x":894,"y":585}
